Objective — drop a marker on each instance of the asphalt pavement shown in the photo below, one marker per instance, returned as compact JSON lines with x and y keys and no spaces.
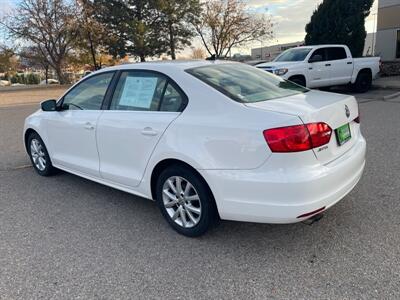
{"x":65,"y":237}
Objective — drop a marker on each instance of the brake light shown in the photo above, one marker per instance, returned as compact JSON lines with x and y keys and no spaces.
{"x":298,"y":137}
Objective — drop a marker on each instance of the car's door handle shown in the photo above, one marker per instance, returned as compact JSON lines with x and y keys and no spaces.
{"x":89,"y":126}
{"x":350,"y":63}
{"x":149,"y":131}
{"x":327,"y":65}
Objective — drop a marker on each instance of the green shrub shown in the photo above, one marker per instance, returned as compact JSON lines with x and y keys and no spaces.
{"x":25,"y":79}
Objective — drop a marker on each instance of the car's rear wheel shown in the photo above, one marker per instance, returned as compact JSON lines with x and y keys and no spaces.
{"x":363,"y":82}
{"x":39,"y":156}
{"x":185,"y":201}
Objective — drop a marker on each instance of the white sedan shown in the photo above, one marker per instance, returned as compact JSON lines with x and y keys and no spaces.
{"x":205,"y":140}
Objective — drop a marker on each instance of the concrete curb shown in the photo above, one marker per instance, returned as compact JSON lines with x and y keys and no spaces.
{"x":33,"y":87}
{"x":388,"y":97}
{"x":13,"y":105}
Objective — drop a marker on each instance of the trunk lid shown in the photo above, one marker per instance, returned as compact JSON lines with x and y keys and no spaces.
{"x":335,"y":110}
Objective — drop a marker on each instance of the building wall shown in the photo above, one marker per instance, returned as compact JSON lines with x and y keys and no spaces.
{"x":388,"y":30}
{"x":270,"y":52}
{"x":369,"y":45}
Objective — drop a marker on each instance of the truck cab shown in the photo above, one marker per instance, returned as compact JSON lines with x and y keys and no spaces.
{"x":324,"y":66}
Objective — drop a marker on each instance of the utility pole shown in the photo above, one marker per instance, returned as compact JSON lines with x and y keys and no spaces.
{"x":373,"y":35}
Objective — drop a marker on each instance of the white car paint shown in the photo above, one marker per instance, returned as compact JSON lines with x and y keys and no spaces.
{"x":325,"y":73}
{"x":220,"y":138}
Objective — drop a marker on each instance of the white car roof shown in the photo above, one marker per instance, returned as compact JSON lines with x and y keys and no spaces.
{"x":319,"y":46}
{"x":163,"y":64}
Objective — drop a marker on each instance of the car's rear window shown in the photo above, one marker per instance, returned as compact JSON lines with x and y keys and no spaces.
{"x":244,"y":83}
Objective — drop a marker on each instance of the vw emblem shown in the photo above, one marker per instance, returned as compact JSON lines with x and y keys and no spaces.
{"x":347,"y":111}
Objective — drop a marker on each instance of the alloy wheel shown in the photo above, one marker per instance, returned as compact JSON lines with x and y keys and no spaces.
{"x":181,"y":201}
{"x":38,"y":155}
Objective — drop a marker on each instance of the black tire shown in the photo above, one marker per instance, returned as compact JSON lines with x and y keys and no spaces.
{"x":208,"y":216}
{"x":363,"y":82}
{"x":325,"y":88}
{"x":48,"y":166}
{"x":299,"y":80}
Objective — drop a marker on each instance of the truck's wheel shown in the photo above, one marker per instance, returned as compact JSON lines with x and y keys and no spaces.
{"x":298,"y":80}
{"x":363,"y":82}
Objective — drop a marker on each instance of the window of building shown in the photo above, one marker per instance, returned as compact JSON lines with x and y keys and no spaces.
{"x":398,"y":44}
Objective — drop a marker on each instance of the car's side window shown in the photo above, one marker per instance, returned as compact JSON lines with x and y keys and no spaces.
{"x":336,"y":53}
{"x":321,"y":52}
{"x":146,"y":91}
{"x":89,"y":94}
{"x":172,"y":99}
{"x":139,"y":91}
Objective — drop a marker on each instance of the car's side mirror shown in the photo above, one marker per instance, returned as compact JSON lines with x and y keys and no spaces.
{"x":49,"y":105}
{"x":315,"y":58}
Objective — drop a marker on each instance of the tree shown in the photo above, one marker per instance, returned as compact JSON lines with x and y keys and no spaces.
{"x":177,"y":15}
{"x":133,"y":25}
{"x":198,"y":53}
{"x":92,"y":34}
{"x":226,"y":24}
{"x":339,"y":22}
{"x":32,"y":57}
{"x":8,"y":59}
{"x":49,"y":25}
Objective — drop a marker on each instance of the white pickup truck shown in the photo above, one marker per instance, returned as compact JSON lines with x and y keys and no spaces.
{"x":323,"y":66}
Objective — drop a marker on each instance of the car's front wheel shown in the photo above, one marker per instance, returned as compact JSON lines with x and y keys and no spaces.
{"x":39,"y":156}
{"x":185,"y":201}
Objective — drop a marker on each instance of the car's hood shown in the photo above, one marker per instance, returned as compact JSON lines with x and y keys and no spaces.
{"x":278,"y":64}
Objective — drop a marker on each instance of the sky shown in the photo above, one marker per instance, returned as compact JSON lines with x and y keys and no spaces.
{"x":289,"y":17}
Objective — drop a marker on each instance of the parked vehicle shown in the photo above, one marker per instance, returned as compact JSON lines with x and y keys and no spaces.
{"x":49,"y":81}
{"x":324,"y":66}
{"x":205,"y":140}
{"x":5,"y":83}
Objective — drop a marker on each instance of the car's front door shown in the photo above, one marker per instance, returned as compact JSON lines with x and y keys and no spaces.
{"x":143,"y":105}
{"x":318,"y":73}
{"x":72,"y":130}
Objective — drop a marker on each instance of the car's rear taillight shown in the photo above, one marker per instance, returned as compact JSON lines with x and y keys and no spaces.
{"x":320,"y":134}
{"x":298,"y":137}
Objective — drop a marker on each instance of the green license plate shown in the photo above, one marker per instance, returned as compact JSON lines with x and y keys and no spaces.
{"x":343,"y":134}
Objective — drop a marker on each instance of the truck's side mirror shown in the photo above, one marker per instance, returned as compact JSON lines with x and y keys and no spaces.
{"x":315,"y":58}
{"x":49,"y":105}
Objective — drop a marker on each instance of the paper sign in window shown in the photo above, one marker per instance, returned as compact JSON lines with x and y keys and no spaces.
{"x":138,"y":91}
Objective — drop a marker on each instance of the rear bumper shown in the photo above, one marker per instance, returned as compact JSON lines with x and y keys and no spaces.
{"x":276,"y":194}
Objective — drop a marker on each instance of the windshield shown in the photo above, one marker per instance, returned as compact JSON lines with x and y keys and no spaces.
{"x":244,"y":83}
{"x":294,"y":54}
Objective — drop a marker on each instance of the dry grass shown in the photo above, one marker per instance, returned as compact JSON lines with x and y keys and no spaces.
{"x":30,"y":96}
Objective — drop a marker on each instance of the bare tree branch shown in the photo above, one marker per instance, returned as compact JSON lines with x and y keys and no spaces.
{"x":48,"y":25}
{"x":227,"y":24}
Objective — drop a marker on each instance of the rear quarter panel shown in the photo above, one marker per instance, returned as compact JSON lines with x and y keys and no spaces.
{"x":371,"y":63}
{"x":215,"y":132}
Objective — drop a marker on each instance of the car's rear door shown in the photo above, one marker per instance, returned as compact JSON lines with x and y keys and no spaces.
{"x":143,"y":105}
{"x":339,"y":65}
{"x":72,"y":130}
